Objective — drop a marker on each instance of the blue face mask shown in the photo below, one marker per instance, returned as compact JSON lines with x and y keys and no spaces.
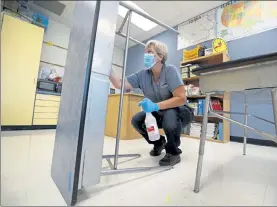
{"x":149,"y":60}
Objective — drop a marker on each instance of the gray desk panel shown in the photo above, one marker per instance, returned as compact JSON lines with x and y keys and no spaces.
{"x":95,"y":122}
{"x":259,"y":75}
{"x":68,"y":142}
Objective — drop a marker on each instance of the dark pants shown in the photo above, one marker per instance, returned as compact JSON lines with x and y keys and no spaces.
{"x":172,"y":121}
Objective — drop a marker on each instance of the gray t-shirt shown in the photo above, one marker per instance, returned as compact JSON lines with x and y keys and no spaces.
{"x":169,"y":80}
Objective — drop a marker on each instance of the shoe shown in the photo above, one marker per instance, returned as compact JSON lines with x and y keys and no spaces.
{"x":157,"y":150}
{"x":170,"y":160}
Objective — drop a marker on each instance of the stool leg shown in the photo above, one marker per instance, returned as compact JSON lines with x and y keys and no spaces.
{"x":274,"y":104}
{"x":202,"y":143}
{"x":245,"y":122}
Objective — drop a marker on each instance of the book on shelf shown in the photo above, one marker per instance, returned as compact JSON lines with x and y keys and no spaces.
{"x":220,"y":132}
{"x":195,"y":130}
{"x":215,"y":104}
{"x":199,"y":104}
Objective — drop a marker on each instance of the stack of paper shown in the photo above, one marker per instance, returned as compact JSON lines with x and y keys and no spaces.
{"x":210,"y":130}
{"x":195,"y":129}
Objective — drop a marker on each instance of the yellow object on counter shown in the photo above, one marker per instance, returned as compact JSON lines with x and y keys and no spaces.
{"x":219,"y":46}
{"x":191,"y":54}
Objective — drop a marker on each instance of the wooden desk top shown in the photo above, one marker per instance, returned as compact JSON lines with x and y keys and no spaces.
{"x":235,"y":63}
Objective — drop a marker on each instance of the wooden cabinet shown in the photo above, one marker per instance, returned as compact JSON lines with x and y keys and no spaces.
{"x":216,"y":58}
{"x":21,"y":44}
{"x":130,"y":108}
{"x":46,"y":109}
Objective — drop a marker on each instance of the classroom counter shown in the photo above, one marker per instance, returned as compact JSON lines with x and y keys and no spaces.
{"x":130,"y":108}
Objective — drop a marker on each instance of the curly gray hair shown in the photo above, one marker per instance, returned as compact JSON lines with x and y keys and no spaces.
{"x":159,"y":47}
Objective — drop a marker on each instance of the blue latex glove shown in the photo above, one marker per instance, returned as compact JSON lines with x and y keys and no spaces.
{"x":148,"y":106}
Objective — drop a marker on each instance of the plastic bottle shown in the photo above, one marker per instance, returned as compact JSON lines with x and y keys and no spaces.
{"x":152,"y":127}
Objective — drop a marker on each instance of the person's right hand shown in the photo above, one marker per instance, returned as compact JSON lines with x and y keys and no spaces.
{"x":148,"y":106}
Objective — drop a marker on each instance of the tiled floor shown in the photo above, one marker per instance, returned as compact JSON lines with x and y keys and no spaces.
{"x":228,"y":178}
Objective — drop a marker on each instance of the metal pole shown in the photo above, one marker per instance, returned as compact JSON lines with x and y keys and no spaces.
{"x":245,"y":122}
{"x":147,"y":16}
{"x":110,"y":163}
{"x":202,"y":143}
{"x":120,"y":156}
{"x":134,"y":40}
{"x":264,"y":134}
{"x":274,"y":105}
{"x":134,"y":170}
{"x":121,"y":93}
{"x":241,"y":113}
{"x":124,"y":21}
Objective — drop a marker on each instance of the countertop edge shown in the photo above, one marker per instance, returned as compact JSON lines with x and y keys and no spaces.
{"x":47,"y":92}
{"x":132,"y":94}
{"x":235,"y":63}
{"x":58,"y":94}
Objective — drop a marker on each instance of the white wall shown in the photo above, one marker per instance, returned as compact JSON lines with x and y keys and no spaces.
{"x":59,"y":34}
{"x":117,"y":64}
{"x":55,"y":55}
{"x":118,"y":56}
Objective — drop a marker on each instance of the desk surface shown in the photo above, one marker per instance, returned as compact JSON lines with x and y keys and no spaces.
{"x":235,"y":63}
{"x":239,"y":75}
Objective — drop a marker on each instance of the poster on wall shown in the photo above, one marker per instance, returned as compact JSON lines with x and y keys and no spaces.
{"x":233,"y":20}
{"x":196,"y":30}
{"x":244,"y":18}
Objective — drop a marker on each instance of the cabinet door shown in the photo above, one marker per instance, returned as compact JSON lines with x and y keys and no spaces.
{"x":21,"y":44}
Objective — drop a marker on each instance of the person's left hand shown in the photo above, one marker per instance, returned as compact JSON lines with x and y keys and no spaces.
{"x":148,"y":106}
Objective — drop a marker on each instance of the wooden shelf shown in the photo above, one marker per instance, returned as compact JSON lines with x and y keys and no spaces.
{"x":62,"y":66}
{"x":208,"y":139}
{"x":211,"y":119}
{"x":191,"y":79}
{"x":204,"y":61}
{"x":52,"y":44}
{"x":208,"y":59}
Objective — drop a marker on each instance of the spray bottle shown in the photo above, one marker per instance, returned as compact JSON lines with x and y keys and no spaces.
{"x":152,"y":127}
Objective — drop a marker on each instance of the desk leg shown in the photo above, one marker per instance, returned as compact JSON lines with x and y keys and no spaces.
{"x":202,"y":143}
{"x":274,"y":104}
{"x":245,"y":122}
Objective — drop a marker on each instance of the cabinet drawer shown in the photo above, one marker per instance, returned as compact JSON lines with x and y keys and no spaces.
{"x":46,"y":109}
{"x":43,"y":103}
{"x":45,"y":121}
{"x":48,"y":97}
{"x":44,"y":115}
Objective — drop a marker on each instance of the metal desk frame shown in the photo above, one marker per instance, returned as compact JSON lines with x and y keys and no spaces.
{"x":218,"y":114}
{"x":116,"y":155}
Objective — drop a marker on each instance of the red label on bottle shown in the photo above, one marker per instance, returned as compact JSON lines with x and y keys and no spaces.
{"x":150,"y":129}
